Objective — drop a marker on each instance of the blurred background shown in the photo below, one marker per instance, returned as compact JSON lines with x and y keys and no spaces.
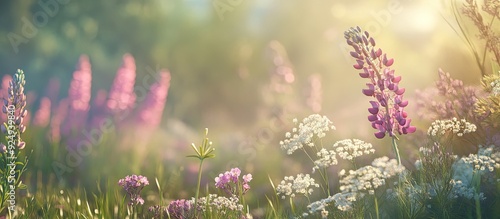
{"x":243,"y":69}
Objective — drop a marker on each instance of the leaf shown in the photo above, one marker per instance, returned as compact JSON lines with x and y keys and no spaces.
{"x":22,"y":186}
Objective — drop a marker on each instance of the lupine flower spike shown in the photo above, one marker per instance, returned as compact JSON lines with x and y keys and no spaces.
{"x":14,"y":107}
{"x":387,"y":113}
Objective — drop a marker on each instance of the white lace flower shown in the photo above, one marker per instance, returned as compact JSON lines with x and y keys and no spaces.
{"x":343,"y":202}
{"x":364,"y":179}
{"x":326,"y":158}
{"x":458,"y":127}
{"x":480,"y":163}
{"x":349,"y":149}
{"x":301,"y":184}
{"x":313,"y":125}
{"x":388,"y":167}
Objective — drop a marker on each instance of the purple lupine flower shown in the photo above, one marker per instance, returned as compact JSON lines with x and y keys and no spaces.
{"x":121,"y":95}
{"x":229,"y":182}
{"x":14,"y":104}
{"x":150,"y":113}
{"x":133,"y":185}
{"x":387,"y":112}
{"x":42,"y":115}
{"x":179,"y":209}
{"x":79,"y":96}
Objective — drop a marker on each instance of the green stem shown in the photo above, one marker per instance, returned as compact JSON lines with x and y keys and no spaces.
{"x":376,"y":207}
{"x":396,"y":150}
{"x":477,"y":201}
{"x":198,"y":186}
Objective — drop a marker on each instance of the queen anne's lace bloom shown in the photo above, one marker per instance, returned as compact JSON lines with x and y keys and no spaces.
{"x":458,"y":127}
{"x":290,"y":186}
{"x":220,"y":203}
{"x":343,"y":202}
{"x":480,"y":163}
{"x":364,"y":179}
{"x":388,"y":167}
{"x":313,"y":125}
{"x":326,"y":158}
{"x":465,"y":169}
{"x":349,"y":149}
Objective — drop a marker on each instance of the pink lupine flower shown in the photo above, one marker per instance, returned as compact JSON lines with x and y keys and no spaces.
{"x":387,"y":113}
{"x":42,"y":116}
{"x":151,"y":111}
{"x":98,"y":109}
{"x":79,"y":96}
{"x":121,"y":95}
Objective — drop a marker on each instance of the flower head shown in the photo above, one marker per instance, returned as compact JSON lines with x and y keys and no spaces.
{"x":455,"y":126}
{"x":133,"y":185}
{"x":301,"y":184}
{"x":14,"y":108}
{"x":151,"y":110}
{"x":121,"y":95}
{"x":313,"y":125}
{"x":387,"y":113}
{"x":348,"y":149}
{"x":326,"y":158}
{"x":363,"y":180}
{"x":179,"y":209}
{"x":230,"y":182}
{"x":79,"y":94}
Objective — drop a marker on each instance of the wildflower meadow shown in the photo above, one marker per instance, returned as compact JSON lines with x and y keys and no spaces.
{"x":144,"y":142}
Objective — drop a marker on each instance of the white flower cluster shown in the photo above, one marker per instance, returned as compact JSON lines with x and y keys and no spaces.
{"x":366,"y":178}
{"x":290,"y":186}
{"x":495,"y":87}
{"x":463,"y":173}
{"x":348,"y":149}
{"x":388,"y":167}
{"x":343,"y":202}
{"x":313,"y":125}
{"x":458,"y":127}
{"x":480,"y":163}
{"x":489,"y":151}
{"x":220,"y":203}
{"x":326,"y":158}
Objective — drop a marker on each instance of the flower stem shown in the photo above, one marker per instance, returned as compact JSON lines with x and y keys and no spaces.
{"x":376,"y":208}
{"x":477,"y":182}
{"x":396,"y":150}
{"x":198,"y":186}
